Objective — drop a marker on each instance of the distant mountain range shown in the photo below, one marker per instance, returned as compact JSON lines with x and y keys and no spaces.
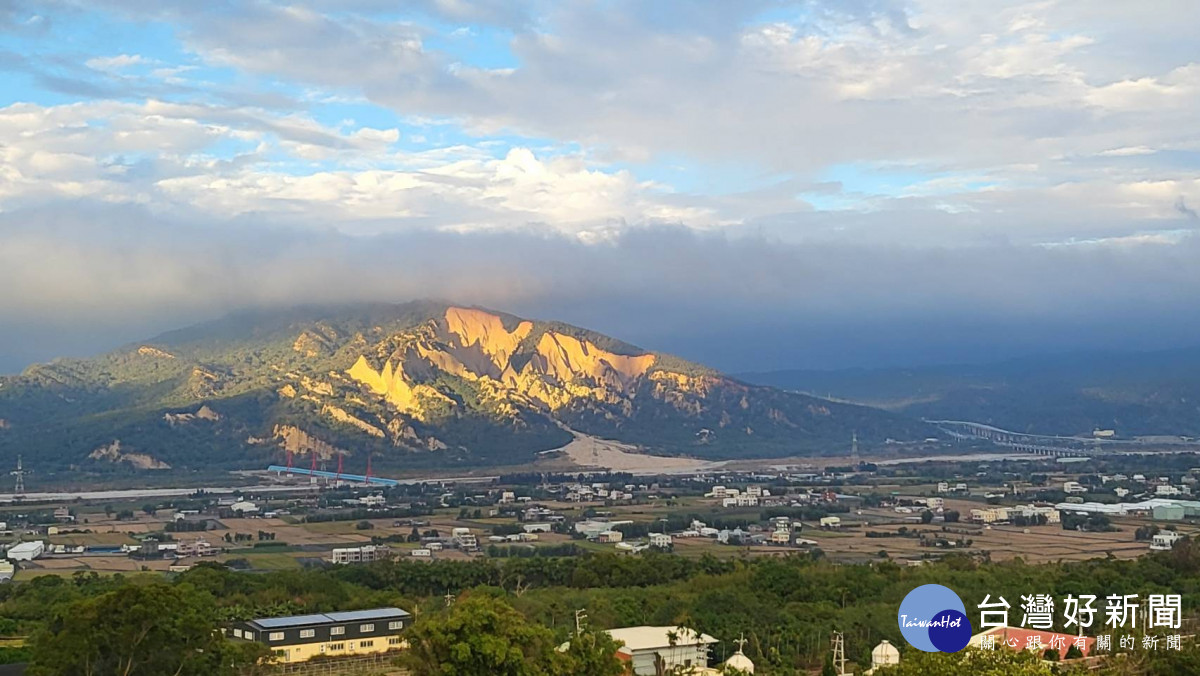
{"x":1135,"y":394}
{"x":414,"y":385}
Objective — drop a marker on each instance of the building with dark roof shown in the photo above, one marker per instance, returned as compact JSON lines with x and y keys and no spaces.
{"x":301,"y":637}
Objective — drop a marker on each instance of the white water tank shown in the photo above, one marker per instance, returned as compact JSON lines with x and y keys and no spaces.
{"x":884,"y":654}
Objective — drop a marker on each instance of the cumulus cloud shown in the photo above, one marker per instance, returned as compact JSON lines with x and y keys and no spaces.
{"x":962,"y":84}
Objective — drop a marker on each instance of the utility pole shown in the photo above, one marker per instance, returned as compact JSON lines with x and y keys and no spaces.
{"x":449,"y":599}
{"x":838,"y":643}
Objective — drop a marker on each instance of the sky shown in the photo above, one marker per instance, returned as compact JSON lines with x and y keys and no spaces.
{"x":755,"y":185}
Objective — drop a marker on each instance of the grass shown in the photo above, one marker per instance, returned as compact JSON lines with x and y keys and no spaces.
{"x":272,"y":561}
{"x":26,"y":574}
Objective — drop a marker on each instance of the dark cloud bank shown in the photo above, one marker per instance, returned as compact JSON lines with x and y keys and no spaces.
{"x":80,"y":279}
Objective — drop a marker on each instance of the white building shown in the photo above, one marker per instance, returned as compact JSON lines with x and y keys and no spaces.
{"x":1074,"y":487}
{"x":1167,"y":489}
{"x":1165,"y":540}
{"x":197,"y":547}
{"x":726,"y":535}
{"x":364,"y":554}
{"x":943,"y":487}
{"x":26,"y":551}
{"x":717,"y":492}
{"x":660,"y":540}
{"x":591,"y":529}
{"x":464,"y":539}
{"x":1029,"y":511}
{"x":244,"y":508}
{"x":831,"y":522}
{"x":935,"y":503}
{"x":676,"y":648}
{"x":739,"y":662}
{"x":990,"y":515}
{"x":372,"y":501}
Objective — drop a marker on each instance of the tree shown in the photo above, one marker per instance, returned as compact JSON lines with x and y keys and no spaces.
{"x":926,"y":516}
{"x":1000,"y":662}
{"x":1074,"y":653}
{"x":481,"y":636}
{"x":951,"y":516}
{"x":137,"y":630}
{"x":592,"y":653}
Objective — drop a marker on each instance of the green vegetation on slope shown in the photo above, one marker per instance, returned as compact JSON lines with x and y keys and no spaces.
{"x":786,"y":607}
{"x":420,"y":397}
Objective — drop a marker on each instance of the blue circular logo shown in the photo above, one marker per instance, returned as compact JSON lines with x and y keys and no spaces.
{"x":932,"y":618}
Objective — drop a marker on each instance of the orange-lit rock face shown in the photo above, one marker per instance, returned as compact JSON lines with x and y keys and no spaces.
{"x":566,"y":357}
{"x":486,"y":330}
{"x":475,"y":345}
{"x":394,"y":388}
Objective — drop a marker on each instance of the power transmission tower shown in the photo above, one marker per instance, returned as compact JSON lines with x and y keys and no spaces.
{"x":20,"y":473}
{"x":580,"y":618}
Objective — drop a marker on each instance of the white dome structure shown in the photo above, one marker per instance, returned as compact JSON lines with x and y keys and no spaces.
{"x":739,"y":661}
{"x":884,"y":654}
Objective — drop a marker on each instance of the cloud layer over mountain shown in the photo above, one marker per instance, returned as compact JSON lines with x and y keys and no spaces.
{"x":754,"y":184}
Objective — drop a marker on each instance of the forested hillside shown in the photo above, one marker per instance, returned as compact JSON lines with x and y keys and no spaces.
{"x":415,"y":385}
{"x":786,"y":607}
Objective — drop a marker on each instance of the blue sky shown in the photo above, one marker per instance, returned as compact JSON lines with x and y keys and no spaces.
{"x":788,"y":149}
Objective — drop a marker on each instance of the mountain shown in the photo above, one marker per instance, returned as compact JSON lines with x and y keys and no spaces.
{"x":1132,"y":393}
{"x":416,"y":385}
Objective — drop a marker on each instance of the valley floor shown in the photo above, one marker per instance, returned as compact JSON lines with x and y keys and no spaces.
{"x":591,"y":452}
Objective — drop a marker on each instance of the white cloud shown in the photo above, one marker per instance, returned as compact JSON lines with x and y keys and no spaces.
{"x":952,"y":84}
{"x":115,"y":63}
{"x":160,"y":154}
